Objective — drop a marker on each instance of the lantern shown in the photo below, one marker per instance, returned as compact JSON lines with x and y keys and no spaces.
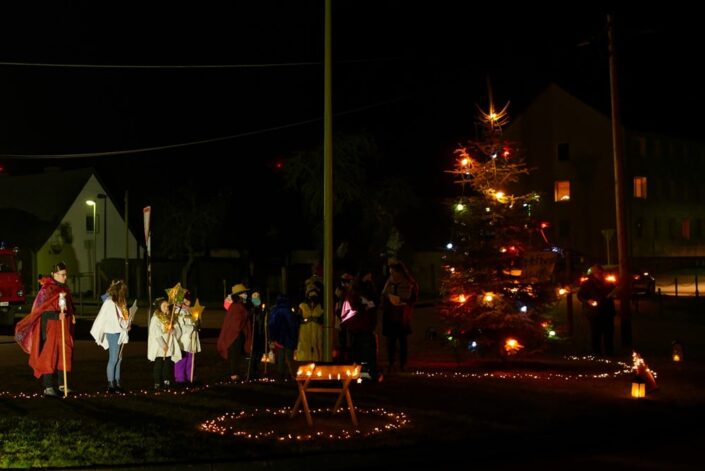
{"x":638,"y":388}
{"x":677,"y":351}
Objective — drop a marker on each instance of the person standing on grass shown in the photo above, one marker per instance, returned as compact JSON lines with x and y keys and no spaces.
{"x":110,"y":329}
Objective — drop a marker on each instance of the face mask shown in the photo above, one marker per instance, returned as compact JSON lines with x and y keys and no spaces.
{"x":256,"y":301}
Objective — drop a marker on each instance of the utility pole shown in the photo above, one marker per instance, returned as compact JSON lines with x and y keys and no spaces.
{"x":625,"y":314}
{"x":328,"y":191}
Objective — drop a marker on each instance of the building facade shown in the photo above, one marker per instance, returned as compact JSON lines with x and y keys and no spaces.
{"x":568,"y":145}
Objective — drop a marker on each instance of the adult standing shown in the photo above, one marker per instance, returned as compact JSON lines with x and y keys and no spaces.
{"x":399,"y":295}
{"x":597,"y":296}
{"x":110,"y":329}
{"x":258,"y":316}
{"x":42,"y":335}
{"x":283,"y":326}
{"x":235,"y":338}
{"x":310,"y":344}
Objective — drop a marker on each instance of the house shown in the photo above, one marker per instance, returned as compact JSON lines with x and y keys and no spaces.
{"x":568,"y":143}
{"x":48,"y":217}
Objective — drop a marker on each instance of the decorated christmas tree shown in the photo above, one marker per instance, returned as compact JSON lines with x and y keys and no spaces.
{"x":498,"y":265}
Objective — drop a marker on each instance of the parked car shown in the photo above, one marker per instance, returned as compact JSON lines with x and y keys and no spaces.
{"x":643,"y":284}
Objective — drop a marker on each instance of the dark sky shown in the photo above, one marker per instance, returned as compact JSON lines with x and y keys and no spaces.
{"x":408,"y":74}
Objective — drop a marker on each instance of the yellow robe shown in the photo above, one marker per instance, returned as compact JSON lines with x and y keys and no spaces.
{"x":310,"y":346}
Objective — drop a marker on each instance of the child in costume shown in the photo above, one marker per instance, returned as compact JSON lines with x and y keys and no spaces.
{"x":189,"y":341}
{"x":162,"y":344}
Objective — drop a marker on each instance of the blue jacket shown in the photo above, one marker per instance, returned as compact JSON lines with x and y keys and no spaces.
{"x":283,"y":324}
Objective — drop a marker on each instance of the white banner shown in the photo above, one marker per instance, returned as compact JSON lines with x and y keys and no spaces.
{"x":147,"y":213}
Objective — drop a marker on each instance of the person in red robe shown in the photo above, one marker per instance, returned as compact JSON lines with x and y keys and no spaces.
{"x":235,"y":339}
{"x":39,"y":333}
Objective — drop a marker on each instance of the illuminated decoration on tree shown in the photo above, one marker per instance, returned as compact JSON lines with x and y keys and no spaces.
{"x":498,"y":265}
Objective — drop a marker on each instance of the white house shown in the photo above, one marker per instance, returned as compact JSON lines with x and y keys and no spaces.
{"x":48,"y":217}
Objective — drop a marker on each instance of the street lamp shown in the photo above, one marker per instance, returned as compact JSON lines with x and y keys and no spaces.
{"x":95,"y":262}
{"x":102,"y":196}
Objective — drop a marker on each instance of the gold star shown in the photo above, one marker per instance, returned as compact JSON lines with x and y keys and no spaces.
{"x":176,"y":294}
{"x":197,"y":310}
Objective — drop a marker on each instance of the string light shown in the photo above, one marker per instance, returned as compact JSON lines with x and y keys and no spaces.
{"x":232,"y":423}
{"x":622,"y":368}
{"x":133,"y":392}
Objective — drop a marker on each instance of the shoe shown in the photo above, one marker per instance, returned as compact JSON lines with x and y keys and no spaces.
{"x":110,"y":389}
{"x":157,"y":386}
{"x":234,"y":377}
{"x":50,"y":392}
{"x":119,"y":388}
{"x":68,"y":390}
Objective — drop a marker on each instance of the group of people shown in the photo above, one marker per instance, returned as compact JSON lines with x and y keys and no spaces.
{"x":250,"y":331}
{"x":47,"y":334}
{"x":289,"y":332}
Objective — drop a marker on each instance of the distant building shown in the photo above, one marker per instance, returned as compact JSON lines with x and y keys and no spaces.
{"x":47,"y":216}
{"x":569,"y":145}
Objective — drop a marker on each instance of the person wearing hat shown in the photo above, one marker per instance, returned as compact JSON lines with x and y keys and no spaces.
{"x":235,"y":338}
{"x":310,"y":345}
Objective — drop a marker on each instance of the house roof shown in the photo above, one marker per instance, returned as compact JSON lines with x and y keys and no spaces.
{"x":39,"y":202}
{"x":48,"y":196}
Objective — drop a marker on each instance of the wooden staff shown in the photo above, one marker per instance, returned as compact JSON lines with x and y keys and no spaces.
{"x":171,"y":329}
{"x":193,"y":352}
{"x":62,"y":306}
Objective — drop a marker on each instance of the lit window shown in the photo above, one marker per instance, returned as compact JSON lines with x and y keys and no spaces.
{"x":640,"y":187}
{"x":561,"y":191}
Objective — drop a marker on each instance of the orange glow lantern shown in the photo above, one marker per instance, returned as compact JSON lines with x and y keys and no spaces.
{"x":638,"y":388}
{"x":677,"y":352}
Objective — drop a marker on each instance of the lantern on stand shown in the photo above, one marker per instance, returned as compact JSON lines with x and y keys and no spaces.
{"x":638,"y":387}
{"x":677,"y":352}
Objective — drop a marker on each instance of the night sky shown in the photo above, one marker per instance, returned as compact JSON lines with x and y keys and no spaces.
{"x":408,"y":75}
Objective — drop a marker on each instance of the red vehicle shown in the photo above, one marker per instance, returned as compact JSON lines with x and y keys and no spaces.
{"x":11,"y":289}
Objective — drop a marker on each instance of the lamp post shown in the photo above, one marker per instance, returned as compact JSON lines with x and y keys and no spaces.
{"x":104,"y":197}
{"x":95,"y":262}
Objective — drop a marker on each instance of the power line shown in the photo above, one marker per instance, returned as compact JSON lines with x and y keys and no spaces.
{"x":193,"y":143}
{"x":186,"y":66}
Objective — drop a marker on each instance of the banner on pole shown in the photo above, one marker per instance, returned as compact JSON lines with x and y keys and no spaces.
{"x":147,"y":213}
